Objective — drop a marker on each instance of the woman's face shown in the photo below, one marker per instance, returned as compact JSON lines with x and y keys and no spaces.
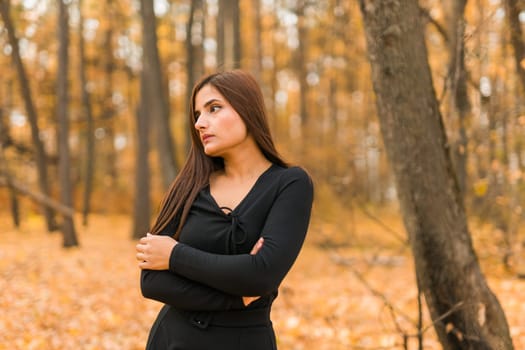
{"x":221,"y":129}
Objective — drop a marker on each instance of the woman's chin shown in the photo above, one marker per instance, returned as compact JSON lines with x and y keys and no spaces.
{"x":211,"y":152}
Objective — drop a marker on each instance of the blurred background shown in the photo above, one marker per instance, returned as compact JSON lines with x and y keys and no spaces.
{"x":94,"y":103}
{"x":310,"y":58}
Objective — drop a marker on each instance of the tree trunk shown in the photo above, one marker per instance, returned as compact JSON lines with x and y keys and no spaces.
{"x":228,"y":35}
{"x":89,"y":165}
{"x":465,"y":313}
{"x":68,"y":227}
{"x":40,"y":157}
{"x":457,"y":83}
{"x":156,"y":99}
{"x":512,"y":12}
{"x":275,"y":122}
{"x":301,"y":66}
{"x":516,"y":37}
{"x":257,"y":37}
{"x":141,"y":207}
{"x":107,"y":109}
{"x":194,"y":55}
{"x":4,"y":168}
{"x":5,"y":142}
{"x":13,"y":200}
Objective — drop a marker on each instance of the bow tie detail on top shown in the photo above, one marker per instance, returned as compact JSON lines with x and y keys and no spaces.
{"x":236,"y":234}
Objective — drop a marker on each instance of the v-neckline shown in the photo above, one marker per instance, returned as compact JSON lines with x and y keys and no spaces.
{"x":244,"y":199}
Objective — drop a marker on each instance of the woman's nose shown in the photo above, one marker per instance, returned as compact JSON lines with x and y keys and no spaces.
{"x":200,"y":123}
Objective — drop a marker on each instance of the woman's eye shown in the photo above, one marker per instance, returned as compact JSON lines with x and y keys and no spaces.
{"x":214,"y":108}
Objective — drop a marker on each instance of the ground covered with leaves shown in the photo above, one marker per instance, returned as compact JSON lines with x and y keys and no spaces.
{"x":352,"y":288}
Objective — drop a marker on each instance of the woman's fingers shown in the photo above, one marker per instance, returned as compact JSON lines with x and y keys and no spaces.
{"x":258,"y":245}
{"x":141,"y":252}
{"x":140,"y":247}
{"x":153,"y":252}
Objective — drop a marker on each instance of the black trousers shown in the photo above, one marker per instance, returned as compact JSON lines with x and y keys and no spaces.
{"x":236,"y":330}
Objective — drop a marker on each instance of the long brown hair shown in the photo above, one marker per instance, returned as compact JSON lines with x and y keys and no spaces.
{"x":241,"y":90}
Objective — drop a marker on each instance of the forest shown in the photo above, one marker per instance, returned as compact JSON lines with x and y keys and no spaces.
{"x":409,"y":116}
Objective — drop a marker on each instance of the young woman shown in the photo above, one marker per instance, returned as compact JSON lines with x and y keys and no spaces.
{"x":229,"y":228}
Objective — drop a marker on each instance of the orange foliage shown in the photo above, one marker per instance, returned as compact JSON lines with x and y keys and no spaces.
{"x":89,"y":298}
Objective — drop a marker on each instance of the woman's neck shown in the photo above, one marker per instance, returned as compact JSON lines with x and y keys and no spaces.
{"x":246,"y":165}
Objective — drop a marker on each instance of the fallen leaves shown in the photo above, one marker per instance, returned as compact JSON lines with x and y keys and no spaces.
{"x":80,"y":298}
{"x":89,"y":297}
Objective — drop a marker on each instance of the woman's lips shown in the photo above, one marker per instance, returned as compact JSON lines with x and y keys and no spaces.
{"x":205,"y":137}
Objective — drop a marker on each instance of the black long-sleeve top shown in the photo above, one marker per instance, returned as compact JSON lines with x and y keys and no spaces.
{"x":211,"y":268}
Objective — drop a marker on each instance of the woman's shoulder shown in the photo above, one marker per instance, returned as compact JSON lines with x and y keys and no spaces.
{"x":292,"y":170}
{"x":292,"y":173}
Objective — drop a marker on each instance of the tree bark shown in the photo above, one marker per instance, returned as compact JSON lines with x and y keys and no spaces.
{"x":5,"y":142}
{"x":516,"y":38}
{"x":107,"y":109}
{"x":301,"y":66}
{"x":6,"y":172}
{"x":194,"y":56}
{"x":25,"y":89}
{"x":466,"y":314}
{"x":68,"y":227}
{"x":141,"y":207}
{"x":228,"y":35}
{"x":89,"y":161}
{"x":156,"y":99}
{"x":257,"y":37}
{"x":457,"y":83}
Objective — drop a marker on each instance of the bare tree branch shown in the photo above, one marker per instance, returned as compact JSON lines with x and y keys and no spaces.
{"x":38,"y":197}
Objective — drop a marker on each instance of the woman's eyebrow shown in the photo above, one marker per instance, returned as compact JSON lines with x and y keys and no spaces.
{"x":207,"y":104}
{"x":210,"y":102}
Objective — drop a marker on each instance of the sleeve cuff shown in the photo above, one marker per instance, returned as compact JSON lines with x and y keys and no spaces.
{"x":173,"y":257}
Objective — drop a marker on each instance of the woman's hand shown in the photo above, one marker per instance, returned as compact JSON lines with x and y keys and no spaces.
{"x":258,"y":245}
{"x":153,"y":252}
